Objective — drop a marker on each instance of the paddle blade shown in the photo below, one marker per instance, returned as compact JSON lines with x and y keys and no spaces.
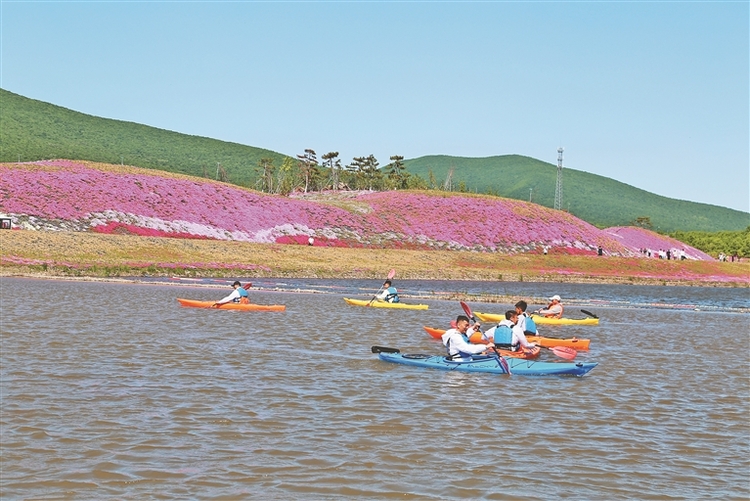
{"x":384,"y":349}
{"x":467,"y":310}
{"x":500,"y":360}
{"x":564,"y":352}
{"x":391,"y":274}
{"x":586,"y":312}
{"x":247,"y":286}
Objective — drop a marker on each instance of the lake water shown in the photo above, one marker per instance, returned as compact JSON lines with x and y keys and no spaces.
{"x":113,"y":391}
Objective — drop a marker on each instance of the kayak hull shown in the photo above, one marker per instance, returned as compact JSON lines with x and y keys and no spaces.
{"x":547,"y":342}
{"x":384,"y":304}
{"x":192,"y":303}
{"x":492,"y":317}
{"x":491,"y":365}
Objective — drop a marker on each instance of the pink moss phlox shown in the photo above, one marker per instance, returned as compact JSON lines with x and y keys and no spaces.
{"x":85,"y":196}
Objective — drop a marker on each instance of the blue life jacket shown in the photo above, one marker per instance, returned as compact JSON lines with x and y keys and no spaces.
{"x":530,"y":325}
{"x":242,"y":292}
{"x":503,"y":337}
{"x":392,"y":296}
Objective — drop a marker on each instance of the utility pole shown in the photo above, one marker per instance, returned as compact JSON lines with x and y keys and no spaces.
{"x":558,"y":186}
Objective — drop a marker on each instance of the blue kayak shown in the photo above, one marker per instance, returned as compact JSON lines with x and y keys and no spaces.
{"x":491,"y":364}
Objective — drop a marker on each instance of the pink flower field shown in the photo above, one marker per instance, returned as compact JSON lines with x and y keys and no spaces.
{"x":63,"y":195}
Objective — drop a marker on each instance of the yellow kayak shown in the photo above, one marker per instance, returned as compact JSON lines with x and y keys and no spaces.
{"x":492,"y":317}
{"x":383,"y":304}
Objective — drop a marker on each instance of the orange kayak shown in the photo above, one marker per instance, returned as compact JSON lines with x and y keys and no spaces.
{"x":477,"y":338}
{"x":547,"y":342}
{"x":231,"y":306}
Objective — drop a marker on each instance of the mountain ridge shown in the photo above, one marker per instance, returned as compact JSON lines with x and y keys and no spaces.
{"x":35,"y":130}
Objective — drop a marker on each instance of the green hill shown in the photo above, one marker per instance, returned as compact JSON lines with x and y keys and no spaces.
{"x":33,"y":130}
{"x":599,"y":200}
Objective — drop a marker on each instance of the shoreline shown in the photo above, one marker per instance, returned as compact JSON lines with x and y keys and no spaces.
{"x":94,"y":256}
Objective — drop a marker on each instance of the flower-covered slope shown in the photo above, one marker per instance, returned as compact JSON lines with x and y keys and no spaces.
{"x":85,"y":196}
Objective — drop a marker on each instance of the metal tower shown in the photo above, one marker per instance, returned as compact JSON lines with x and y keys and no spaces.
{"x":558,"y":186}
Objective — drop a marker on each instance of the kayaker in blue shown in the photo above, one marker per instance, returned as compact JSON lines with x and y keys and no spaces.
{"x":525,"y":322}
{"x":456,"y":340}
{"x":507,"y":335}
{"x":238,"y":295}
{"x":389,"y":294}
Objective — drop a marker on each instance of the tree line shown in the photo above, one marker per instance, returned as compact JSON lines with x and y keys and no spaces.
{"x":306,"y":173}
{"x":729,"y":243}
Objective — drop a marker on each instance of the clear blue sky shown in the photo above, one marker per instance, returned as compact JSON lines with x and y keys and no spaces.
{"x":653,"y":94}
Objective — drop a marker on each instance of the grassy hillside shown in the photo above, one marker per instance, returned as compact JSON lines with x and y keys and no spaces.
{"x":599,"y":200}
{"x":33,"y":130}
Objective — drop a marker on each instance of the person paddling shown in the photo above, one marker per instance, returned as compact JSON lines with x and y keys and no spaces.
{"x":389,"y":294}
{"x":554,"y":309}
{"x":238,"y":295}
{"x":525,"y":322}
{"x":508,"y":335}
{"x":456,"y":340}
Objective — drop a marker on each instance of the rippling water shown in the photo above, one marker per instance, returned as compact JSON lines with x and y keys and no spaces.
{"x":112,"y":391}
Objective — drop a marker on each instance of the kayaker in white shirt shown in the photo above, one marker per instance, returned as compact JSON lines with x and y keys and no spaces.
{"x":507,"y":335}
{"x":389,"y":294}
{"x":235,"y":296}
{"x":525,"y":323}
{"x":457,"y":343}
{"x":554,"y":309}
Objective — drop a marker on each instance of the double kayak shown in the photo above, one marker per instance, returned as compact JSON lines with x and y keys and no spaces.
{"x":492,"y":317}
{"x":384,"y":304}
{"x":486,"y":364}
{"x":191,"y":303}
{"x":547,"y":342}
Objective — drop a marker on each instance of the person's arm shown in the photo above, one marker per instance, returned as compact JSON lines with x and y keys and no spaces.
{"x":457,"y":342}
{"x":522,"y":322}
{"x":229,"y":298}
{"x":521,"y":338}
{"x":554,"y":310}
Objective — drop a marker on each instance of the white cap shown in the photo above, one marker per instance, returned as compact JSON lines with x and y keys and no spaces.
{"x":555,"y":298}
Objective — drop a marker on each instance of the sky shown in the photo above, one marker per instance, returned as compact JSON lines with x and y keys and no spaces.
{"x":652,"y":94}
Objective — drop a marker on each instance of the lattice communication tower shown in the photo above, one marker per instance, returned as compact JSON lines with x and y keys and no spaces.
{"x":558,"y":186}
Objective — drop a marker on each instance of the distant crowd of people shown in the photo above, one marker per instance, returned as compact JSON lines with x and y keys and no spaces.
{"x":667,"y":254}
{"x":734,"y":257}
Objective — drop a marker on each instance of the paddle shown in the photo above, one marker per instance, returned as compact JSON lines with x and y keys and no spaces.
{"x":561,"y":351}
{"x":384,"y":349}
{"x":391,"y":274}
{"x":585,"y":312}
{"x":503,"y":363}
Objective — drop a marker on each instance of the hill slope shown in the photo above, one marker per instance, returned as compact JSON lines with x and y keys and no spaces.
{"x":34,"y":130}
{"x":599,"y":200}
{"x":84,"y":196}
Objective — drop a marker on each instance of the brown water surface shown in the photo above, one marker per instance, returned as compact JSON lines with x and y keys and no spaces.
{"x":113,"y":391}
